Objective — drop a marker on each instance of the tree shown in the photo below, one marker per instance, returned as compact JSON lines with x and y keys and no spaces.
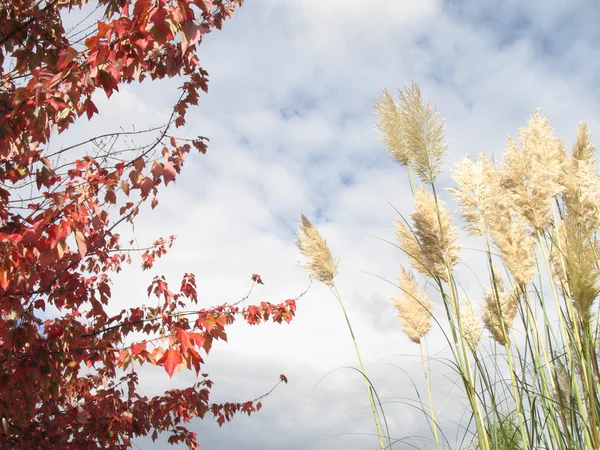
{"x":63,"y":358}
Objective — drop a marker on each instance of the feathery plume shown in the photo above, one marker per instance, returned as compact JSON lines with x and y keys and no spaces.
{"x":414,"y":307}
{"x":487,"y":207}
{"x":320,"y":264}
{"x":412,"y":132}
{"x":579,"y":263}
{"x":500,"y":307}
{"x":471,"y":324}
{"x":562,"y":390}
{"x":583,"y":150}
{"x":517,"y":248}
{"x":575,"y":259}
{"x":432,"y":247}
{"x":581,"y":183}
{"x":423,"y":133}
{"x":411,"y":247}
{"x":389,"y":125}
{"x":533,"y":170}
{"x":476,"y":194}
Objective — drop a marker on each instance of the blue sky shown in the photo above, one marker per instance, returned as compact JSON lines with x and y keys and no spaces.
{"x":289,"y":115}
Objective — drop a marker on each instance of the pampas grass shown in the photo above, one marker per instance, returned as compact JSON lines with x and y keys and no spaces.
{"x":527,"y":357}
{"x":536,"y":212}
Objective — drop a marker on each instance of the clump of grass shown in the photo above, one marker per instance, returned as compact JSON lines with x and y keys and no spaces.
{"x":537,"y":214}
{"x":533,"y":380}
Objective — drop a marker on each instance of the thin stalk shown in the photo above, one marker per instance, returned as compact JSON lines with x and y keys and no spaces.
{"x":411,"y":180}
{"x":584,"y":378}
{"x":533,"y":326}
{"x":362,"y":368}
{"x":509,"y":357}
{"x":463,"y":356}
{"x":428,"y":387}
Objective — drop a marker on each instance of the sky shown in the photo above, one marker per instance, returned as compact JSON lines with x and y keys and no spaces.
{"x":291,"y":125}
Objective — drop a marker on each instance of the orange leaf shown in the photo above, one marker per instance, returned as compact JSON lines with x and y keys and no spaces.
{"x":4,"y":280}
{"x":183,"y":338}
{"x":170,"y":360}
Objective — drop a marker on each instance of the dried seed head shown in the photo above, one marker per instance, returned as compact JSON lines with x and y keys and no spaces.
{"x":414,"y":307}
{"x":487,"y":207}
{"x":562,"y":390}
{"x":410,"y":245}
{"x":477,"y":192}
{"x":423,"y":133}
{"x":412,"y":132}
{"x":389,"y":125}
{"x":469,"y":192}
{"x":578,"y":265}
{"x":533,"y":170}
{"x":471,"y":325}
{"x":500,"y":308}
{"x":320,"y":264}
{"x":583,"y":150}
{"x":581,"y":183}
{"x":432,"y":247}
{"x":516,"y":246}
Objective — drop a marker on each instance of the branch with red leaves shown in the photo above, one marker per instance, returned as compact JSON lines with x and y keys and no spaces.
{"x":60,"y":211}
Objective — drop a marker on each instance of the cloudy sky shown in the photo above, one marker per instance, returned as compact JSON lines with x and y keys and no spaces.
{"x":290,"y":121}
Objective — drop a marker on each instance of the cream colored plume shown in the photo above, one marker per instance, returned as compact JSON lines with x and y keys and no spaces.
{"x":562,"y":390}
{"x":489,"y":208}
{"x":414,"y":307}
{"x":500,"y":307}
{"x":471,"y":324}
{"x":320,"y":264}
{"x":432,"y":246}
{"x":517,"y":248}
{"x":575,"y":251}
{"x":477,"y":191}
{"x":389,"y":125}
{"x":533,"y":169}
{"x":577,"y":263}
{"x":423,"y":133}
{"x":412,"y":132}
{"x":581,"y":183}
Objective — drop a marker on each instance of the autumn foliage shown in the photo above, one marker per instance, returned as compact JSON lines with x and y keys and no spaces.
{"x":68,"y":369}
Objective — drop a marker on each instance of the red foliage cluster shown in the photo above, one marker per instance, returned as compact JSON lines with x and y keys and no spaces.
{"x":63,"y":358}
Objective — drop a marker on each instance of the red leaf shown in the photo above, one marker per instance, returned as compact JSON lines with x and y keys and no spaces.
{"x":102,"y":29}
{"x":170,"y":360}
{"x":125,"y":187}
{"x":81,"y":244}
{"x":90,"y":108}
{"x":83,"y":417}
{"x":190,"y":36}
{"x":145,"y":187}
{"x":138,"y":348}
{"x":168,"y":173}
{"x":183,"y":338}
{"x":139,"y":164}
{"x":157,"y":170}
{"x":205,"y":5}
{"x":66,"y":56}
{"x":283,"y":378}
